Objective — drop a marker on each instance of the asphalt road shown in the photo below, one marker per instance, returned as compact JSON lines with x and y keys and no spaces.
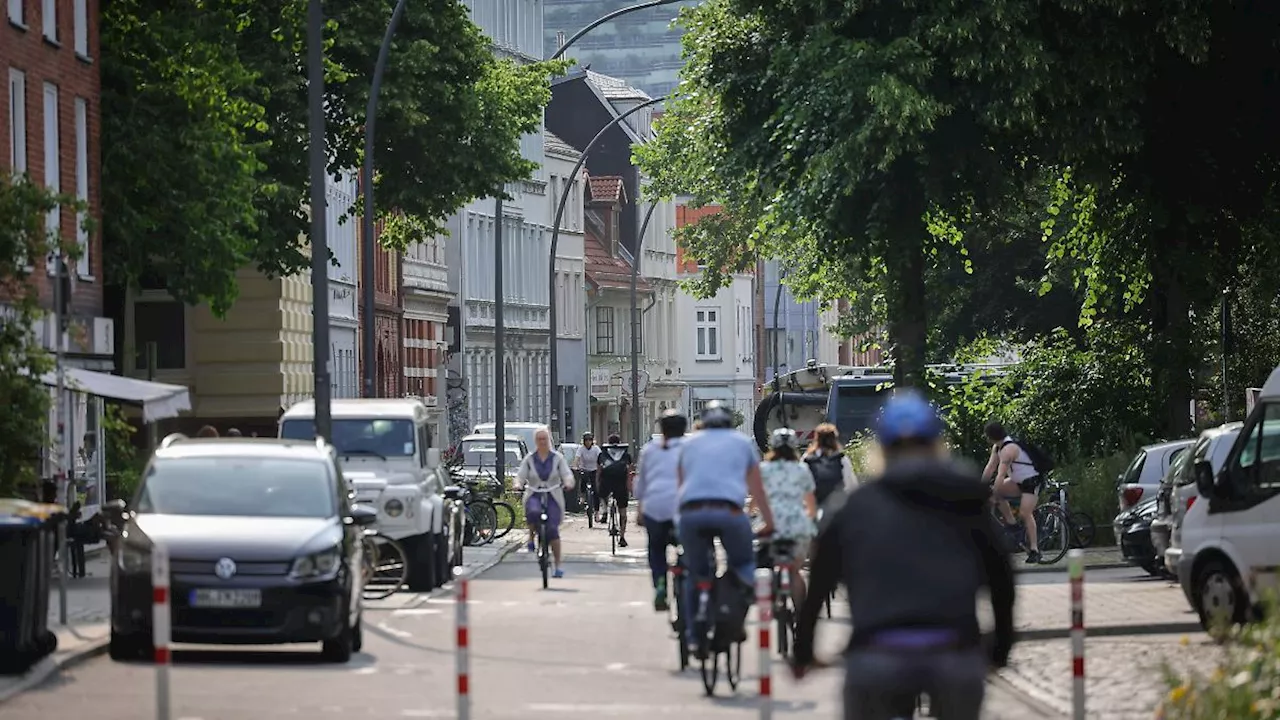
{"x":591,"y":646}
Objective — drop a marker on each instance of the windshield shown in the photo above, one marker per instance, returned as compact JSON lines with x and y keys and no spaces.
{"x":247,"y":487}
{"x":524,"y":433}
{"x":364,"y":436}
{"x":853,"y":407}
{"x":487,"y":458}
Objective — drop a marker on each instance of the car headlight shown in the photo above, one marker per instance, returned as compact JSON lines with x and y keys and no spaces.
{"x":393,"y":508}
{"x":134,"y":560}
{"x":317,"y":565}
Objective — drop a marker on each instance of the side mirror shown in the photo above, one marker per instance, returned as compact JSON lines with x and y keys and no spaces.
{"x":1204,"y":479}
{"x":433,"y":458}
{"x":363,"y":515}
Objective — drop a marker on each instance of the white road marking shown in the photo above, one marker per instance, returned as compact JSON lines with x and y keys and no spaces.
{"x":370,"y":670}
{"x":602,"y":709}
{"x":428,"y":713}
{"x":393,"y":631}
{"x":416,"y":611}
{"x":614,"y":667}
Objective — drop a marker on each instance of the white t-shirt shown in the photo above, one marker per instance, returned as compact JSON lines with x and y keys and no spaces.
{"x":588,"y":458}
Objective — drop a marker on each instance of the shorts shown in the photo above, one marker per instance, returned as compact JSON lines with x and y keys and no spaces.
{"x":617,"y":487}
{"x":1031,"y":485}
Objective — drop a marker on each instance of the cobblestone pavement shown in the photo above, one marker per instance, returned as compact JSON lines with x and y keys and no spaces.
{"x":1138,"y":625}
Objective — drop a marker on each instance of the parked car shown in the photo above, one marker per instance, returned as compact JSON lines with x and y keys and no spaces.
{"x":1132,"y":528}
{"x":524,"y":430}
{"x":1179,"y":495}
{"x":264,"y":543}
{"x":1141,"y":480}
{"x":1231,"y":537}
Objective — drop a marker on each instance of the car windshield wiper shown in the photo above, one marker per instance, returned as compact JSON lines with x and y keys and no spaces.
{"x":364,"y":451}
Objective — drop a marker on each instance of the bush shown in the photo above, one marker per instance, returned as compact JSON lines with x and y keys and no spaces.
{"x":1246,"y":685}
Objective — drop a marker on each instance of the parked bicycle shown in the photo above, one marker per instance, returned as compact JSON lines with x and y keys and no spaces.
{"x":383,"y":564}
{"x":1083,"y":529}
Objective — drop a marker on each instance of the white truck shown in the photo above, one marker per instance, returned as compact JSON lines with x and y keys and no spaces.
{"x":385,"y":451}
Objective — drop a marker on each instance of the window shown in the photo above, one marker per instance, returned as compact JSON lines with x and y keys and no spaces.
{"x":15,"y":13}
{"x":82,"y":183}
{"x":80,"y":20}
{"x":17,"y":118}
{"x":708,"y":334}
{"x":239,"y":486}
{"x":368,"y":437}
{"x":49,"y":14}
{"x":1262,"y":450}
{"x":52,"y":159}
{"x":164,"y":323}
{"x":604,"y":331}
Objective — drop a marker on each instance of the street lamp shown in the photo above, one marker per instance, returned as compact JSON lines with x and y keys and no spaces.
{"x":367,"y":243}
{"x":319,"y":241}
{"x":635,"y":330}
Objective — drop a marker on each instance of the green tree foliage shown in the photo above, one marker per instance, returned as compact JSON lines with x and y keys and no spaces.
{"x":23,"y":424}
{"x":205,"y":129}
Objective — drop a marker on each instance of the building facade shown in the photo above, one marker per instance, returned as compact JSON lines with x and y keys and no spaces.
{"x":343,"y":235}
{"x":426,"y":313}
{"x":571,"y":287}
{"x":642,"y":48}
{"x":515,"y":26}
{"x":718,"y":348}
{"x":795,"y":331}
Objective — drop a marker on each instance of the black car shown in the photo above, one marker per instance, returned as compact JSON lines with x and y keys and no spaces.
{"x":1133,"y":529}
{"x":264,"y":547}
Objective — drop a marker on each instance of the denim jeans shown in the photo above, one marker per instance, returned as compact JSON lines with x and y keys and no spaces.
{"x":883,"y":684}
{"x":659,"y":539}
{"x":735,"y":535}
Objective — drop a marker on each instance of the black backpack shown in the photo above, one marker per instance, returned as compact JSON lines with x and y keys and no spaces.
{"x":733,"y":602}
{"x":611,"y":468}
{"x":1040,"y":460}
{"x":828,"y":474}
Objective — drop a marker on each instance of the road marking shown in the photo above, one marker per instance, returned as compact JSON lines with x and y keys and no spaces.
{"x":428,"y":713}
{"x":394,"y":631}
{"x":416,"y":611}
{"x":370,"y":670}
{"x":601,"y":709}
{"x":614,"y":667}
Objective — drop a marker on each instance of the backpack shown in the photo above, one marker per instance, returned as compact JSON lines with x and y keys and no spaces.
{"x":828,"y":474}
{"x":732,"y":604}
{"x":611,"y":467}
{"x":1040,"y":460}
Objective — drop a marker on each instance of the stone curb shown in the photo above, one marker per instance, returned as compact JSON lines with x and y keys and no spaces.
{"x":1061,"y":567}
{"x":51,"y":664}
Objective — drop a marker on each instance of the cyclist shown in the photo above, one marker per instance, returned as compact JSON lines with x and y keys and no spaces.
{"x":913,"y":602}
{"x":655,"y":493}
{"x":545,"y":467}
{"x":615,"y":473}
{"x":831,"y":468}
{"x":718,"y":468}
{"x":1014,"y":475}
{"x":586,"y":465}
{"x":789,"y":486}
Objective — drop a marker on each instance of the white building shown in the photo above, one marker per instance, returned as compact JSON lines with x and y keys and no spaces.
{"x":570,"y":287}
{"x":515,"y":26}
{"x":342,"y":236}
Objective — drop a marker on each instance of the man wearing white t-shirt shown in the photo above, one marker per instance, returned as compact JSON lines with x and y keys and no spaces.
{"x":587,"y":465}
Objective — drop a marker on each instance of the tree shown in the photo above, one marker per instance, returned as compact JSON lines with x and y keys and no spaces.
{"x":24,"y":423}
{"x":207,"y":102}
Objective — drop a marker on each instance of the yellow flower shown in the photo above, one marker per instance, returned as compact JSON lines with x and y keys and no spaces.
{"x":1177,"y":694}
{"x":1185,"y":641}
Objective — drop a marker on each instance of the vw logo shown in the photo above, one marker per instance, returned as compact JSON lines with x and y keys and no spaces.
{"x":225,"y":568}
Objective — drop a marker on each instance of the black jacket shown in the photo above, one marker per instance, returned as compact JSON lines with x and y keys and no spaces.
{"x":913,"y":548}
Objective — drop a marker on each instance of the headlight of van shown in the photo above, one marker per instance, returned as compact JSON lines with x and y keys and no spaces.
{"x":134,"y":560}
{"x":318,"y":565}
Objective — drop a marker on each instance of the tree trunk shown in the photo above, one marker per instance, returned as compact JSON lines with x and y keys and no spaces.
{"x":908,"y":311}
{"x":1173,"y":359}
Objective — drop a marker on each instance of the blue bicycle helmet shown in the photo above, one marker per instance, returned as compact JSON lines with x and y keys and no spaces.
{"x":908,"y":417}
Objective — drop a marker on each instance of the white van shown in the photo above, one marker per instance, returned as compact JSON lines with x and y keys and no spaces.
{"x":384,"y":446}
{"x":1178,"y":498}
{"x":1235,"y":528}
{"x":524,"y":430}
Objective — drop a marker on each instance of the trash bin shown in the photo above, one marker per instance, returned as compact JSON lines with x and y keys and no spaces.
{"x":28,"y":535}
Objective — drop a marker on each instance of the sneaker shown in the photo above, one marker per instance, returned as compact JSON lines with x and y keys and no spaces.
{"x":559,"y":573}
{"x":1033,"y":557}
{"x":660,"y":597}
{"x":531,"y":547}
{"x":622,"y":542}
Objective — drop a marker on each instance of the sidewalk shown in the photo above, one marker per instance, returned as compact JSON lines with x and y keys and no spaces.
{"x":1096,"y":558}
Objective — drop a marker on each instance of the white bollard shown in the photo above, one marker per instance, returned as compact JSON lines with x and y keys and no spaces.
{"x":463,"y":645}
{"x":1075,"y":563}
{"x":160,"y":626}
{"x":764,"y":614}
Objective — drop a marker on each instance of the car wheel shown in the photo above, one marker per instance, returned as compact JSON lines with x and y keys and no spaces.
{"x":357,"y":634}
{"x":1221,"y":600}
{"x":1152,"y":567}
{"x":340,"y":648}
{"x":126,"y":648}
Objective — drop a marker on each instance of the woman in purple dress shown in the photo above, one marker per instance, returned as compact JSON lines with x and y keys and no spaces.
{"x":544,"y":468}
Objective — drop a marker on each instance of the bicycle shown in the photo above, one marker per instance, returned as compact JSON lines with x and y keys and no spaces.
{"x":1083,"y":529}
{"x":676,"y":611}
{"x":383,"y":566}
{"x":613,"y":524}
{"x":1052,"y":526}
{"x":544,"y":545}
{"x":586,"y":482}
{"x":778,"y":554}
{"x":504,"y":513}
{"x":457,"y":523}
{"x":708,"y":645}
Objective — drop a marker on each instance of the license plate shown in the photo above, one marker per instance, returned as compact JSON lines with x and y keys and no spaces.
{"x":215,"y":598}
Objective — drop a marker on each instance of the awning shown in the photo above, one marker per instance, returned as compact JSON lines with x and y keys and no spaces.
{"x":712,"y":393}
{"x":159,"y":401}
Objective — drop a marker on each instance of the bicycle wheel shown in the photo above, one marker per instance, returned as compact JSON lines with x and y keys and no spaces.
{"x":677,"y":621}
{"x":505,"y":517}
{"x":1053,"y":533}
{"x":544,"y":551}
{"x":613,"y":527}
{"x":1083,"y":529}
{"x":390,"y":571}
{"x":591,"y":504}
{"x":733,"y":665}
{"x":485,"y":520}
{"x":782,"y":618}
{"x":710,"y":671}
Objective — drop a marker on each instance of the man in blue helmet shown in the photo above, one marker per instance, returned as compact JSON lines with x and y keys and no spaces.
{"x":914,"y":548}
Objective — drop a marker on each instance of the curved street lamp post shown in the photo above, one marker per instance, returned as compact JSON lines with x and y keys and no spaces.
{"x":635,"y":331}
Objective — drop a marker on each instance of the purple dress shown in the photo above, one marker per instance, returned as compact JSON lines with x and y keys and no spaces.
{"x":545,"y":470}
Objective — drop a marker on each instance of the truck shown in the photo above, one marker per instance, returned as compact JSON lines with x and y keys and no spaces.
{"x":848,"y":396}
{"x":384,"y":446}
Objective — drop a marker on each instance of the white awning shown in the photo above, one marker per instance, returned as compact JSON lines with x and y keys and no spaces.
{"x":159,"y":401}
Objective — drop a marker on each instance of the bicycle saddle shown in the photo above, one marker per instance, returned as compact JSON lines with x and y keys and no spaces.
{"x":454,"y":492}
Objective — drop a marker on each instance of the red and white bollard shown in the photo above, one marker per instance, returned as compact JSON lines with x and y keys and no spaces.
{"x":764,"y":615}
{"x":160,"y":626}
{"x":463,"y":643}
{"x":1075,"y":563}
